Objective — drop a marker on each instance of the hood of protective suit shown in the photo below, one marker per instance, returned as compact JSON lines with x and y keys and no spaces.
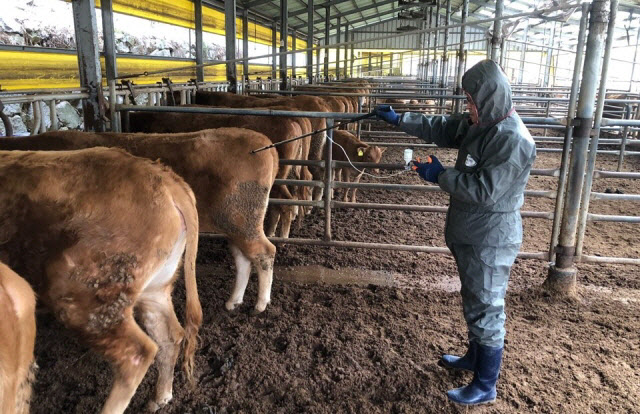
{"x":490,"y":91}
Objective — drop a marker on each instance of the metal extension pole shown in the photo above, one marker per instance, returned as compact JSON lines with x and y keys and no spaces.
{"x":445,"y":50}
{"x":562,"y":275}
{"x":602,"y":93}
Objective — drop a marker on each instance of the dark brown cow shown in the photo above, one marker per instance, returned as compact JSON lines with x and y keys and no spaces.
{"x":99,"y":233}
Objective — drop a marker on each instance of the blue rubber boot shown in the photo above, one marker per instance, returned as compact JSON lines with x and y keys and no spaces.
{"x":466,"y":362}
{"x":482,"y":389}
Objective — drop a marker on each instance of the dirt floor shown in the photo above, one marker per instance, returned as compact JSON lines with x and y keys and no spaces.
{"x":372,"y":345}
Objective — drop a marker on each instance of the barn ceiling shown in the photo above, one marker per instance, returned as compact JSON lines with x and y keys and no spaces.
{"x":362,"y":14}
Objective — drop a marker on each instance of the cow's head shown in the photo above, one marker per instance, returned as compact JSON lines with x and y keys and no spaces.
{"x":372,"y":154}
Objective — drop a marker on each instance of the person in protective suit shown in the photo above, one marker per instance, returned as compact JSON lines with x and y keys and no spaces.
{"x":483,"y":228}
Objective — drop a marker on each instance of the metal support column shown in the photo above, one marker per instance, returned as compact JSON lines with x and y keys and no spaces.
{"x":591,"y":163}
{"x":328,"y":180}
{"x":436,"y":24}
{"x":445,"y":50}
{"x":274,"y":52}
{"x":111,"y":65}
{"x":199,"y":42}
{"x":428,"y":51}
{"x":310,"y":31}
{"x":86,"y":30}
{"x":338,"y":21}
{"x":497,"y":32}
{"x":230,"y":40}
{"x":547,"y":69}
{"x":284,"y":38}
{"x":245,"y":49}
{"x":294,"y":38}
{"x":327,"y":27}
{"x":568,"y":134}
{"x":346,"y":49}
{"x":106,"y":7}
{"x":461,"y":56}
{"x":352,"y":57}
{"x":562,"y":275}
{"x":635,"y":59}
{"x":523,"y":53}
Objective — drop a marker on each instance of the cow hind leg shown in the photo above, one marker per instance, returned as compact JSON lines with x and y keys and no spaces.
{"x":243,"y":271}
{"x":130,"y":352}
{"x":261,"y":252}
{"x":160,"y":321}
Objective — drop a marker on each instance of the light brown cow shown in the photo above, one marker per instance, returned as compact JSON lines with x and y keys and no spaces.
{"x":301,"y":102}
{"x":356,"y":151}
{"x":231,"y":186}
{"x":277,"y":129}
{"x":17,"y":339}
{"x":99,"y":233}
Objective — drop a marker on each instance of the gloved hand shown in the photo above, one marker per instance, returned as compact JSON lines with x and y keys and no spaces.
{"x":387,"y":114}
{"x":428,"y":170}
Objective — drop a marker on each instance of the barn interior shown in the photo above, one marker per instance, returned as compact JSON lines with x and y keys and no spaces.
{"x":365,"y":293}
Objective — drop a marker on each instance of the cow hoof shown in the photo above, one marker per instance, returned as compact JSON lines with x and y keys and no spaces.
{"x":260,"y":307}
{"x":154,"y":406}
{"x":229,"y":305}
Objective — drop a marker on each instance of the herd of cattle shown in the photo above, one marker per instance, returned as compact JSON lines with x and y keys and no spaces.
{"x":98,"y":224}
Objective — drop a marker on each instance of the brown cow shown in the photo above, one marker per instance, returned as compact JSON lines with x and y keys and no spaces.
{"x":18,"y":330}
{"x":276,"y":129}
{"x":231,"y":185}
{"x":99,"y":233}
{"x":356,"y":151}
{"x":301,"y":102}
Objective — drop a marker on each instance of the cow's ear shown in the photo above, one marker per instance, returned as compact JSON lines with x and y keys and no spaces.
{"x":361,"y":151}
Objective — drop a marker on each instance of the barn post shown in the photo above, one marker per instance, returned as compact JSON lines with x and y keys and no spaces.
{"x":445,"y":50}
{"x":294,"y":38}
{"x":562,"y":274}
{"x":284,"y":43}
{"x":310,"y":41}
{"x":436,"y":24}
{"x":460,"y":69}
{"x":352,"y":55}
{"x":523,"y":52}
{"x":327,"y":24}
{"x":497,"y":31}
{"x":328,"y":180}
{"x":547,"y":69}
{"x":230,"y":38}
{"x":318,"y":50}
{"x":635,"y":59}
{"x":591,"y":165}
{"x":199,"y":42}
{"x":111,"y":65}
{"x":274,"y":51}
{"x":86,"y":30}
{"x":346,"y":49}
{"x":338,"y":20}
{"x":245,"y":50}
{"x":425,"y":77}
